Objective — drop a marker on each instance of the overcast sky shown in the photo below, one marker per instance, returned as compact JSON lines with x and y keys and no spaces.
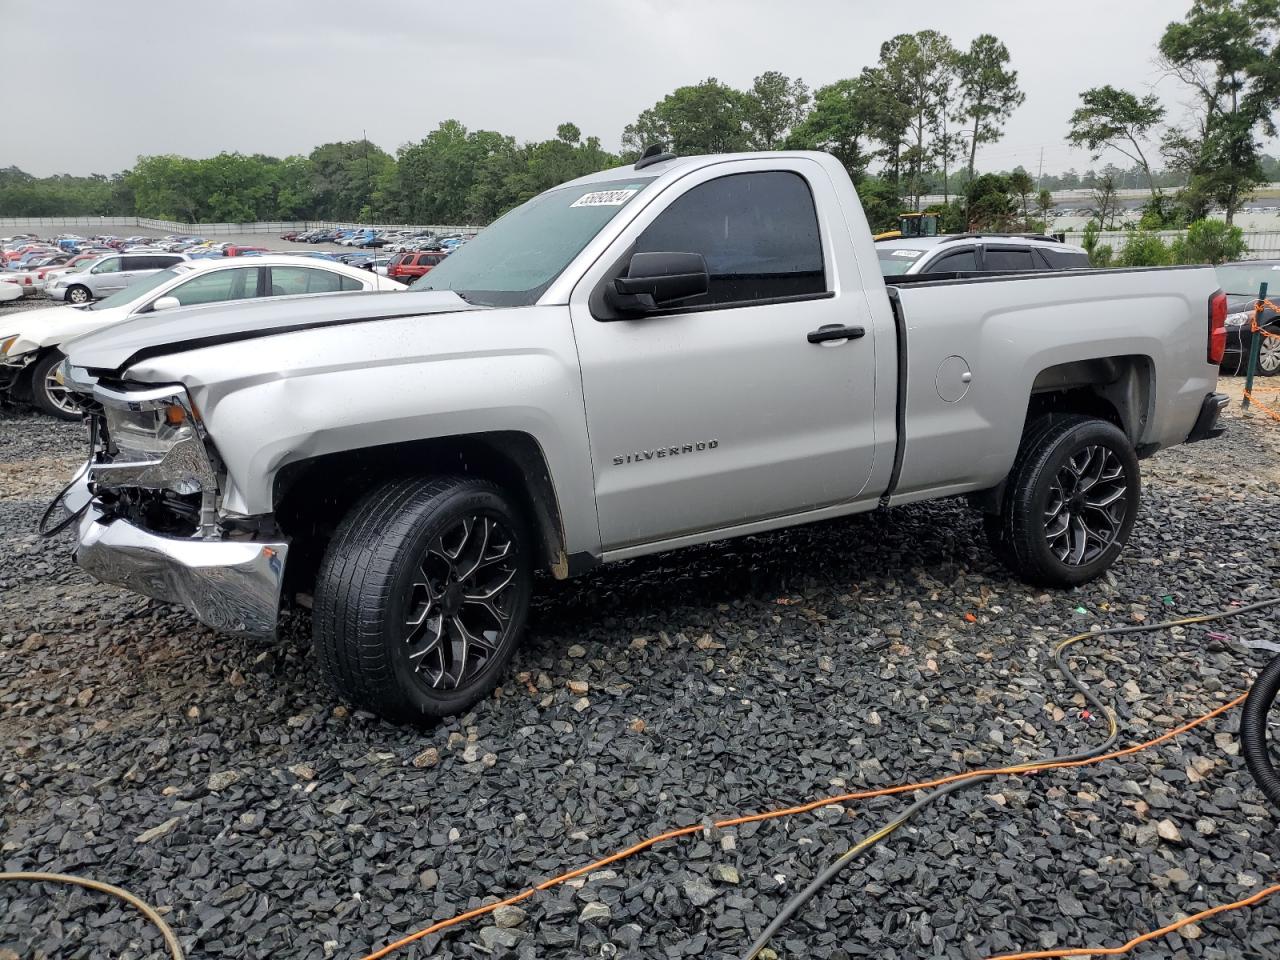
{"x":281,"y":76}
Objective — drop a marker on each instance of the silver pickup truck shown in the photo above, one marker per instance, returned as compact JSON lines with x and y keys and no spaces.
{"x":649,"y":357}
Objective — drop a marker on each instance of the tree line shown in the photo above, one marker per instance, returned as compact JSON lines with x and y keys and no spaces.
{"x":911,"y":125}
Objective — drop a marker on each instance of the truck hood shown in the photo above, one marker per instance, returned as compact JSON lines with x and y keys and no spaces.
{"x":177,"y":331}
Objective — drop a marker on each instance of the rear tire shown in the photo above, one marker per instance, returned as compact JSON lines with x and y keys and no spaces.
{"x":1070,"y":503}
{"x":421,"y":597}
{"x":49,"y":396}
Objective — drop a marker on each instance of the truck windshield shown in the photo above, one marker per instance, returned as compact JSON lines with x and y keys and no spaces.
{"x":895,"y":261}
{"x":513,"y":260}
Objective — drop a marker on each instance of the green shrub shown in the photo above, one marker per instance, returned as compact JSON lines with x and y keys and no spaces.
{"x":1101,"y":254}
{"x":1210,"y":241}
{"x":1144,"y":249}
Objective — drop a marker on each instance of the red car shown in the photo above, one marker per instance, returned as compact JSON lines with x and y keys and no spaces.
{"x":231,"y":250}
{"x":407,"y":267}
{"x":291,"y":235}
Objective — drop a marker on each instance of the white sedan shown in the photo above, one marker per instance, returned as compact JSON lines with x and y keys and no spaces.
{"x":30,"y":342}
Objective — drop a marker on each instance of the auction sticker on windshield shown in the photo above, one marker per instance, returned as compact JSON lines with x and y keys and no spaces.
{"x":605,"y":198}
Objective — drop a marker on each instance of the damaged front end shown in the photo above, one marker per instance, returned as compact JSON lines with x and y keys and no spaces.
{"x":150,"y":500}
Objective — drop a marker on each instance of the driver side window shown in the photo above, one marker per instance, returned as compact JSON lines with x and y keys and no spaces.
{"x":757,"y":232}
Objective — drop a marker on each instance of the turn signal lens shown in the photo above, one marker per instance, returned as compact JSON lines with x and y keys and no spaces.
{"x":174,"y":415}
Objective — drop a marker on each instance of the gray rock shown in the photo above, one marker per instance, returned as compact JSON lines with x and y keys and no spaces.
{"x":595,"y":912}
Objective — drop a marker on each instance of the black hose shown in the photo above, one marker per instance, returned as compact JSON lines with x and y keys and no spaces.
{"x":1253,"y":731}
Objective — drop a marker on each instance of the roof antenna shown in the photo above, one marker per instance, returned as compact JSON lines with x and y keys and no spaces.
{"x":653,"y":154}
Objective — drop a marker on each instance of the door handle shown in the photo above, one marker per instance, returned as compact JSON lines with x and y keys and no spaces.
{"x":826,"y":334}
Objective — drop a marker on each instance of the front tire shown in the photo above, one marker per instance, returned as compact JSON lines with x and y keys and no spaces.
{"x":1070,"y":502}
{"x":421,"y":597}
{"x":78,"y":294}
{"x":47,"y":394}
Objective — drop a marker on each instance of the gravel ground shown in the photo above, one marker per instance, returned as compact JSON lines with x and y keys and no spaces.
{"x":218,"y":779}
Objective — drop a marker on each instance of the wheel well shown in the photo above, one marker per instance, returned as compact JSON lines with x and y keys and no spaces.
{"x":1116,"y":389}
{"x":23,"y":384}
{"x":312,"y":496}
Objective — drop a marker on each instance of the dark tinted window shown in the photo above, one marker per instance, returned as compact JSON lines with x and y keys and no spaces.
{"x":1007,"y":258}
{"x":138,"y":263}
{"x":960,"y":260}
{"x":1065,"y":259}
{"x":758,"y":233}
{"x":351,"y":283}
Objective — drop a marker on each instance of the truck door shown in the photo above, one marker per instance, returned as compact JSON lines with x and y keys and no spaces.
{"x":722,"y":411}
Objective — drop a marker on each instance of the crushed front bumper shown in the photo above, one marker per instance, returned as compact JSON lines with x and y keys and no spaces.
{"x":230,"y":585}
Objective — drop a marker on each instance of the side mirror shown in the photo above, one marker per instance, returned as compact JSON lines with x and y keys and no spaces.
{"x":166,"y":303}
{"x":658,"y":280}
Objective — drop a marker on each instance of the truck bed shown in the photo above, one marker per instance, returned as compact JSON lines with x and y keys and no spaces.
{"x":1021,"y":333}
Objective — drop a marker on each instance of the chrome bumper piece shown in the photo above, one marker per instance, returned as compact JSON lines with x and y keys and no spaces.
{"x":230,"y":585}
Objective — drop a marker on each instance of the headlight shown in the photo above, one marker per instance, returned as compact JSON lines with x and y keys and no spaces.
{"x":154,"y":441}
{"x":1239,"y":319}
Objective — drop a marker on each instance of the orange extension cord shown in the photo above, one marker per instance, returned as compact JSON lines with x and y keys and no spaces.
{"x":1144,"y":938}
{"x":866,"y":795}
{"x":1255,"y":327}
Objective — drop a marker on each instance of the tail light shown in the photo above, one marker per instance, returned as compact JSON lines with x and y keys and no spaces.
{"x":1217,"y":327}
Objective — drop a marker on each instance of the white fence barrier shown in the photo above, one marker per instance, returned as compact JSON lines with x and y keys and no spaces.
{"x":1263,"y":244}
{"x":277,"y":227}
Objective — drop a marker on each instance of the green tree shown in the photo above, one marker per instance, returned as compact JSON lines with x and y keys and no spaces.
{"x":1118,"y":120}
{"x":773,"y":106}
{"x":989,"y":203}
{"x":842,"y":123}
{"x":918,"y":69}
{"x":988,"y":92}
{"x":345,"y":177}
{"x":1021,"y":184}
{"x":1228,"y":53}
{"x":1044,"y":206}
{"x":1105,"y":203}
{"x":709,"y":117}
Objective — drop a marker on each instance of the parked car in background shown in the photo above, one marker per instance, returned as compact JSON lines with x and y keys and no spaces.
{"x":1242,"y":281}
{"x":32,"y":342}
{"x":9,"y":290}
{"x":976,"y":253}
{"x":411,"y":266}
{"x":234,"y":250}
{"x":108,"y":274}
